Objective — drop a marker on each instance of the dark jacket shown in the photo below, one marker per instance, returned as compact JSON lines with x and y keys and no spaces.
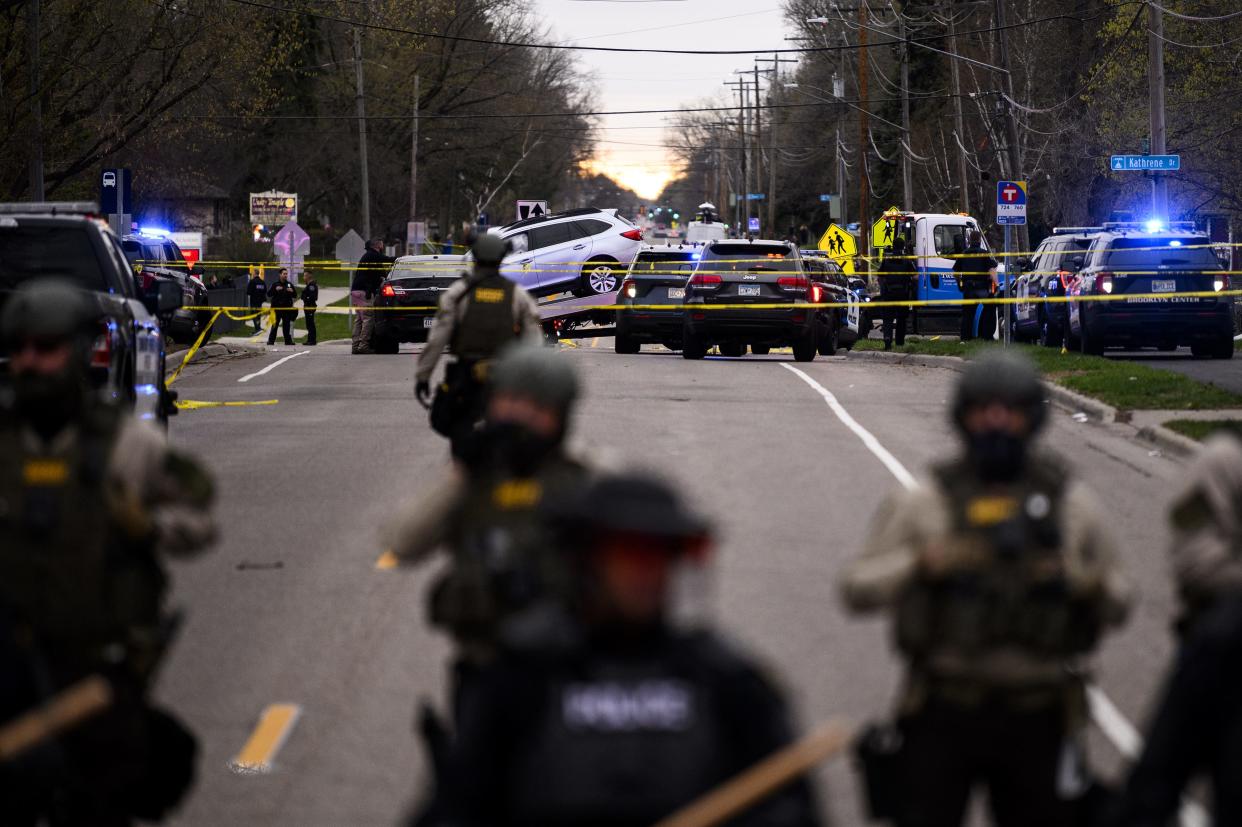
{"x":282,"y":294}
{"x":256,"y":290}
{"x":370,"y":272}
{"x":310,"y":296}
{"x":615,"y":733}
{"x":898,"y":279}
{"x":971,"y":271}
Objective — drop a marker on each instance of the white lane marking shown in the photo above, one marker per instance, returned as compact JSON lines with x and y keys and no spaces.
{"x":273,"y":365}
{"x":868,"y":439}
{"x":1107,"y":716}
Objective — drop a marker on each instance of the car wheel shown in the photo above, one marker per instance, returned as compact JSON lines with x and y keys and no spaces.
{"x":624,"y":343}
{"x":692,"y":347}
{"x":1089,"y":345}
{"x":599,"y":277}
{"x":1224,"y":348}
{"x":761,"y":350}
{"x":733,"y":350}
{"x":805,"y":348}
{"x":1050,"y":335}
{"x":383,"y":344}
{"x":828,"y":342}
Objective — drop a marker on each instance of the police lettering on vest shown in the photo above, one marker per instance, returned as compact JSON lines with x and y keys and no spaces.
{"x":653,"y":706}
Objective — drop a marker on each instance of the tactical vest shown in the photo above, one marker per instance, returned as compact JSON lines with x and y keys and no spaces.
{"x":488,"y":323}
{"x":66,"y":571}
{"x":617,"y":742}
{"x":1016,"y":594}
{"x":502,"y":556}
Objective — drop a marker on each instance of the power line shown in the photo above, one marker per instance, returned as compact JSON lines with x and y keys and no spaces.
{"x":1192,"y":17}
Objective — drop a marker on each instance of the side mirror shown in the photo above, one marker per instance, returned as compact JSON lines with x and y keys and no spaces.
{"x":167,"y":297}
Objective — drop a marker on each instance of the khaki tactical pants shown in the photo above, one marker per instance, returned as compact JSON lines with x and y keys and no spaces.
{"x":363,"y":320}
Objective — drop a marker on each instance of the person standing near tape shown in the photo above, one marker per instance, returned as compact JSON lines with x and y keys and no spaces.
{"x":603,"y":710}
{"x":256,"y":292}
{"x":477,"y":317}
{"x":310,"y":303}
{"x":362,"y":289}
{"x":91,"y":499}
{"x":975,"y":272}
{"x":487,"y":514}
{"x":282,"y":295}
{"x":897,"y":283}
{"x":1001,"y":576}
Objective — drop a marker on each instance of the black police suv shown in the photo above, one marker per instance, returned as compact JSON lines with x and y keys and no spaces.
{"x":157,"y":258}
{"x":1049,"y":273}
{"x":766,"y":274}
{"x":69,"y":241}
{"x":656,"y":284}
{"x":1153,"y":270}
{"x":840,"y":322}
{"x":414,"y":282}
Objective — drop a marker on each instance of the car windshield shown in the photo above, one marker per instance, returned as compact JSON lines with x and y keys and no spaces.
{"x":425,"y":270}
{"x":749,"y":258}
{"x":1138,"y":253}
{"x":663,"y":263}
{"x":65,"y":252}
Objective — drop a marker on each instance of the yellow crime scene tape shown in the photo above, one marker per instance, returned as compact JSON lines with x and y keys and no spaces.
{"x":195,"y":404}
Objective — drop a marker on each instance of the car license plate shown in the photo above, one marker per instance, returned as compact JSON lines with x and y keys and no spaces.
{"x":748,"y":290}
{"x":427,"y":321}
{"x":677,"y":292}
{"x":1163,"y":286}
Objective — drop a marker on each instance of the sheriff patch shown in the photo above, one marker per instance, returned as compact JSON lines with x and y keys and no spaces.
{"x":654,"y":706}
{"x":489,"y":295}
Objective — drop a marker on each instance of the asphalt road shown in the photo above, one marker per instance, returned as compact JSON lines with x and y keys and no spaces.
{"x":1225,"y":374}
{"x":290,"y":608}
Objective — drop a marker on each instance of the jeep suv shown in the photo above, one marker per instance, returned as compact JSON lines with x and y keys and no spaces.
{"x":1167,"y":285}
{"x":583,"y":251}
{"x":68,"y":241}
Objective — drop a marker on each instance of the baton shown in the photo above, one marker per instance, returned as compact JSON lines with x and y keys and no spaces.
{"x":65,"y":710}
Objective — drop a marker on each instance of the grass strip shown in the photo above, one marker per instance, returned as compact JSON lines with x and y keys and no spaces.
{"x":1124,"y":385}
{"x":1201,"y":429}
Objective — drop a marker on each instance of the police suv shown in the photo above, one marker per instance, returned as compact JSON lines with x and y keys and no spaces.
{"x":1146,"y":286}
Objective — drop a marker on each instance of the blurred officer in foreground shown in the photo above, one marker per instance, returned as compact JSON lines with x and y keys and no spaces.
{"x":601,"y":712}
{"x":975,"y":272}
{"x":1001,"y":577}
{"x":487,"y":514}
{"x":478,"y":315}
{"x":897,"y":283}
{"x":90,"y":499}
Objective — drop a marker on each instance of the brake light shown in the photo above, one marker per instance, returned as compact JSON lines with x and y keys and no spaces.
{"x":629,"y":289}
{"x":1221,"y":282}
{"x":705,"y":281}
{"x":792,"y":283}
{"x":633,"y":235}
{"x":101,"y":350}
{"x":1104,"y":283}
{"x":817,"y":294}
{"x":387,"y":290}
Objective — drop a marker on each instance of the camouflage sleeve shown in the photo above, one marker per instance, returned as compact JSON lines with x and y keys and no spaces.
{"x":527,"y":314}
{"x":424,"y":525}
{"x":1095,"y":564}
{"x":170,"y":491}
{"x":441,"y":331}
{"x":1206,"y":519}
{"x":889,"y":559}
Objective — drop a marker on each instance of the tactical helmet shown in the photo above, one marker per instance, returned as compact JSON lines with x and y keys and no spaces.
{"x":45,"y":309}
{"x":538,"y":373}
{"x":899,"y":245}
{"x":490,"y":249}
{"x":1000,"y":376}
{"x":628,"y":502}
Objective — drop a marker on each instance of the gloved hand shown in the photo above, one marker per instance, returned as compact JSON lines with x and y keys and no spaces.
{"x":422,"y":392}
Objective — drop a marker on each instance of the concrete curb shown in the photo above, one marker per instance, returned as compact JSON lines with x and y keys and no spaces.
{"x":1166,"y":440}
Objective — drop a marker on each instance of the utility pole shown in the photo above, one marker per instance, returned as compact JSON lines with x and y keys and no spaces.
{"x":776,"y":60}
{"x":36,"y":102}
{"x":962,"y":184}
{"x":361,"y":106}
{"x":742,"y":181}
{"x":414,"y":158}
{"x":1155,"y":79}
{"x":907,"y":178}
{"x":757,"y":158}
{"x":1011,"y":120}
{"x":864,"y":180}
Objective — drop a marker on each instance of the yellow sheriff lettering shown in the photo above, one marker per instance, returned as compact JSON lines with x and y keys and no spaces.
{"x":489,"y":295}
{"x":987,"y":511}
{"x":45,"y":472}
{"x":512,"y":494}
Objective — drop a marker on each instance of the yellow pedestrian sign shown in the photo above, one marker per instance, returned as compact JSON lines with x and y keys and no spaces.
{"x":840,"y":246}
{"x":884,"y":230}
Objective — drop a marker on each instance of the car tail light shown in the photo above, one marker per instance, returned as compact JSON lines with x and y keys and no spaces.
{"x":792,"y":283}
{"x":101,"y":350}
{"x":387,"y":290}
{"x":705,"y":281}
{"x":817,"y":294}
{"x":633,"y":235}
{"x":1221,"y":282}
{"x":629,"y":289}
{"x":1104,"y":283}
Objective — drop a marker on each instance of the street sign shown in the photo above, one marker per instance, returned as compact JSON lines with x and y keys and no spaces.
{"x":531,"y":209}
{"x":840,"y":246}
{"x":272,"y":208}
{"x":885,"y":229}
{"x":1145,"y":163}
{"x":1010,"y":202}
{"x":116,"y":192}
{"x":291,"y":244}
{"x":753,"y":224}
{"x":350,"y":248}
{"x":756,"y":196}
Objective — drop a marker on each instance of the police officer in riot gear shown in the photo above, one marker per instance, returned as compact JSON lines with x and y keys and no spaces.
{"x":89,"y":500}
{"x":487,"y":514}
{"x":601,"y":711}
{"x":1002,"y":578}
{"x":477,"y":317}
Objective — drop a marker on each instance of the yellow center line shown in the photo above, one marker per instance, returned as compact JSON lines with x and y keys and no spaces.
{"x":387,"y":561}
{"x":268,"y":737}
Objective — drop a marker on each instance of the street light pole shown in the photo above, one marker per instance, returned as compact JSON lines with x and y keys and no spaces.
{"x":414,"y":157}
{"x":1155,"y":80}
{"x":361,"y":107}
{"x":955,"y":70}
{"x":907,"y":179}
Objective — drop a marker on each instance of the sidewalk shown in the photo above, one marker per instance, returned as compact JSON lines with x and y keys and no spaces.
{"x":327,"y":295}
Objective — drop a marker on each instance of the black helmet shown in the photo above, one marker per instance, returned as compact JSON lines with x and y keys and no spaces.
{"x":627,"y":502}
{"x":490,"y":249}
{"x":1000,"y":376}
{"x":536,"y":372}
{"x":44,"y":309}
{"x":899,"y":245}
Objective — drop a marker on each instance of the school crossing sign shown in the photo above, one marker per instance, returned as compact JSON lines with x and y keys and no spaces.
{"x":1010,"y":202}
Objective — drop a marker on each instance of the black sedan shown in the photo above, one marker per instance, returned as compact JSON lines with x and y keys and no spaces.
{"x":656,"y":280}
{"x":414,"y":282}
